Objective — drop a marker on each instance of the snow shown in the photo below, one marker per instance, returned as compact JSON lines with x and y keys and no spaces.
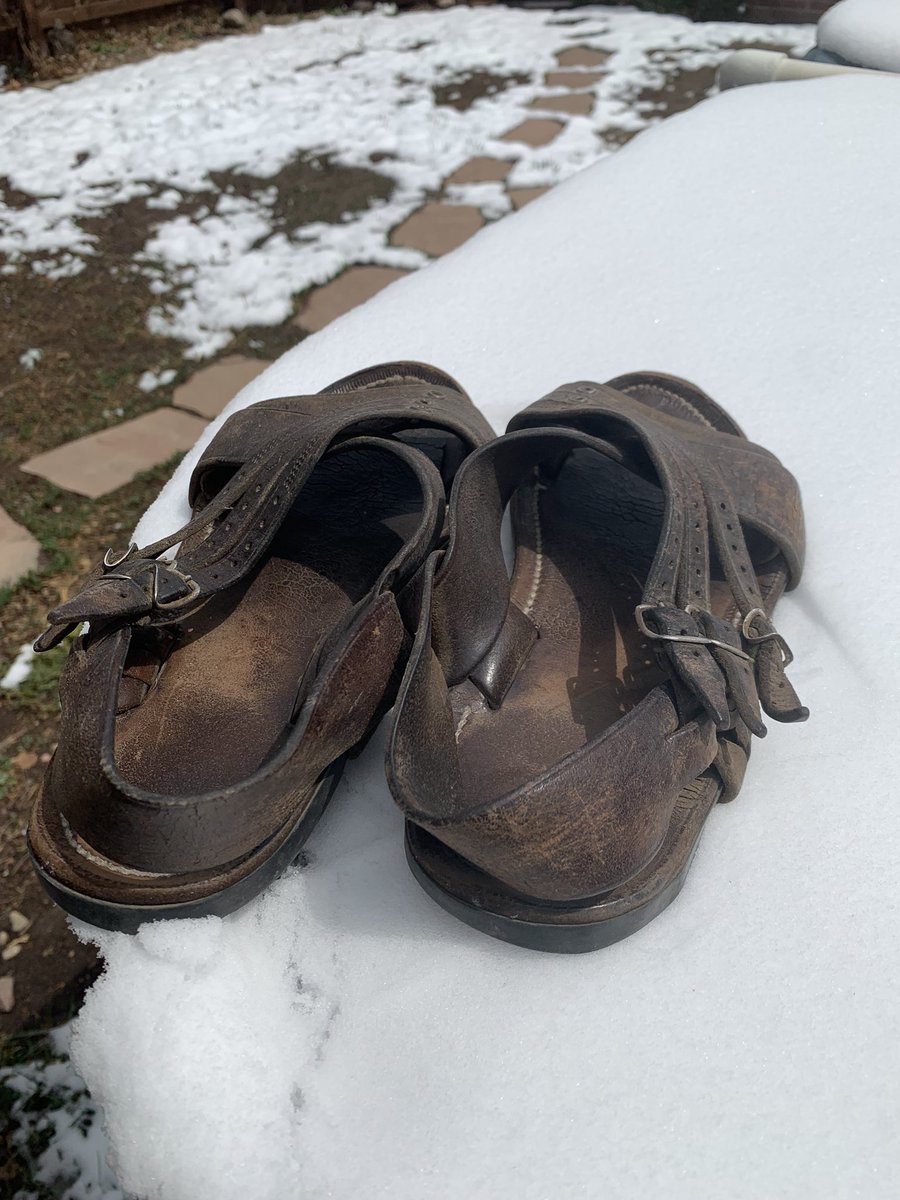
{"x":51,"y":1107}
{"x":343,"y":1036}
{"x":19,"y":669}
{"x":865,"y":32}
{"x":151,"y":380}
{"x":357,"y":89}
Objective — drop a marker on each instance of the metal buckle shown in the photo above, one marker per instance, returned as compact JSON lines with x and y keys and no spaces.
{"x":109,"y":563}
{"x":772,"y":636}
{"x":690,"y":639}
{"x":193,"y":588}
{"x":168,"y":605}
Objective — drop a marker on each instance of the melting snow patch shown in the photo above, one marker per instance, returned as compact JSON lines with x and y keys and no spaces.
{"x":150,"y":380}
{"x":19,"y":669}
{"x":56,"y":1128}
{"x":358,"y":89}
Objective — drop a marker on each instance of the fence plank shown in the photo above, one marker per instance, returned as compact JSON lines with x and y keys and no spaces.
{"x":76,"y":14}
{"x":31,"y":33}
{"x":95,"y":10}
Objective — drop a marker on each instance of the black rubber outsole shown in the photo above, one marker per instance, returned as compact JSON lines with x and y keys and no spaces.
{"x":128,"y":918}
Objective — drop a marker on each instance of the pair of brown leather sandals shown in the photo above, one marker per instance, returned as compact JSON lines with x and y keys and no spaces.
{"x":562,"y":727}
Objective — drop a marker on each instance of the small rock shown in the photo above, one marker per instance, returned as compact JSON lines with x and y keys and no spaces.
{"x":7,"y":997}
{"x":17,"y":922}
{"x":14,"y":948}
{"x":444,"y":3}
{"x":4,"y":938}
{"x":24,"y":760}
{"x":61,"y":40}
{"x":45,"y":757}
{"x":233,"y":18}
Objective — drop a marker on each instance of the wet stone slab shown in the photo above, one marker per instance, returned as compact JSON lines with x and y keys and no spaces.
{"x":325,"y":304}
{"x":101,"y":462}
{"x":535,"y":132}
{"x":211,"y":389}
{"x":18,"y":550}
{"x":437,"y":229}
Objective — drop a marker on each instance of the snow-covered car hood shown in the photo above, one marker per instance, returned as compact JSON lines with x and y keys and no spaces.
{"x":343,"y":1036}
{"x":863,"y":32}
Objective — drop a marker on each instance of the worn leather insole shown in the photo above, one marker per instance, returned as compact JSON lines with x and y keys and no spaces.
{"x":226,"y":691}
{"x":585,"y":540}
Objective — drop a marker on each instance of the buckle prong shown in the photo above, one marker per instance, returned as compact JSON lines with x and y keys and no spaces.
{"x":687,"y":638}
{"x":109,"y":563}
{"x":773,"y":635}
{"x":167,"y":605}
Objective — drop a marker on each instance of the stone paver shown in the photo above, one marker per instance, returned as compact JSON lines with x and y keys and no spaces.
{"x":481,"y":170}
{"x":437,"y":229}
{"x":18,"y":550}
{"x":573,"y":79}
{"x":102,"y":462}
{"x":522,"y":196}
{"x":325,"y":304}
{"x":579,"y":104}
{"x":208,"y":391}
{"x":583,"y":56}
{"x":535,"y":132}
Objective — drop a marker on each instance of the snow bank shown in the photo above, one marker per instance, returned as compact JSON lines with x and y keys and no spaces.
{"x":358,"y":89}
{"x":19,"y":669}
{"x":344,"y":1037}
{"x":865,"y":32}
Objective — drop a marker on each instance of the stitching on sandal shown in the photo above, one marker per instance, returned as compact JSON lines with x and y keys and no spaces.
{"x":538,"y":546}
{"x":653,"y":387}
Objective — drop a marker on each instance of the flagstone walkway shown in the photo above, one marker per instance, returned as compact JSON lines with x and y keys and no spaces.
{"x":99,"y":463}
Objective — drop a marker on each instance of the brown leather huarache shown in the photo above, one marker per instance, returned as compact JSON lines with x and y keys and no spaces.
{"x":560,"y":736}
{"x":208,"y":710}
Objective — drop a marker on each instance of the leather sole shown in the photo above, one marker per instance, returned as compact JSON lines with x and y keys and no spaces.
{"x":247,"y":879}
{"x":571,"y":928}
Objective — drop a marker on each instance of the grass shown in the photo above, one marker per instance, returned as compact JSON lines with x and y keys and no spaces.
{"x":28,"y":1100}
{"x":6,"y":775}
{"x":38,"y":692}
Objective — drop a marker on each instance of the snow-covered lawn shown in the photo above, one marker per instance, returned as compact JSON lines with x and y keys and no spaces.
{"x":354,"y":89}
{"x":343,"y":1037}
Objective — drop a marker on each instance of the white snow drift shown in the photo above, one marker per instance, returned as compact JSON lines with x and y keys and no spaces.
{"x":343,"y":1037}
{"x":865,"y":32}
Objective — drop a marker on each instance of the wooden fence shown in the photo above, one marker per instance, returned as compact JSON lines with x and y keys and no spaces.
{"x":788,"y":11}
{"x":27,"y":21}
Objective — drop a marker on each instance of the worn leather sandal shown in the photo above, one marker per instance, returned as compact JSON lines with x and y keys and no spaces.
{"x":561,"y":736}
{"x":207,"y":712}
